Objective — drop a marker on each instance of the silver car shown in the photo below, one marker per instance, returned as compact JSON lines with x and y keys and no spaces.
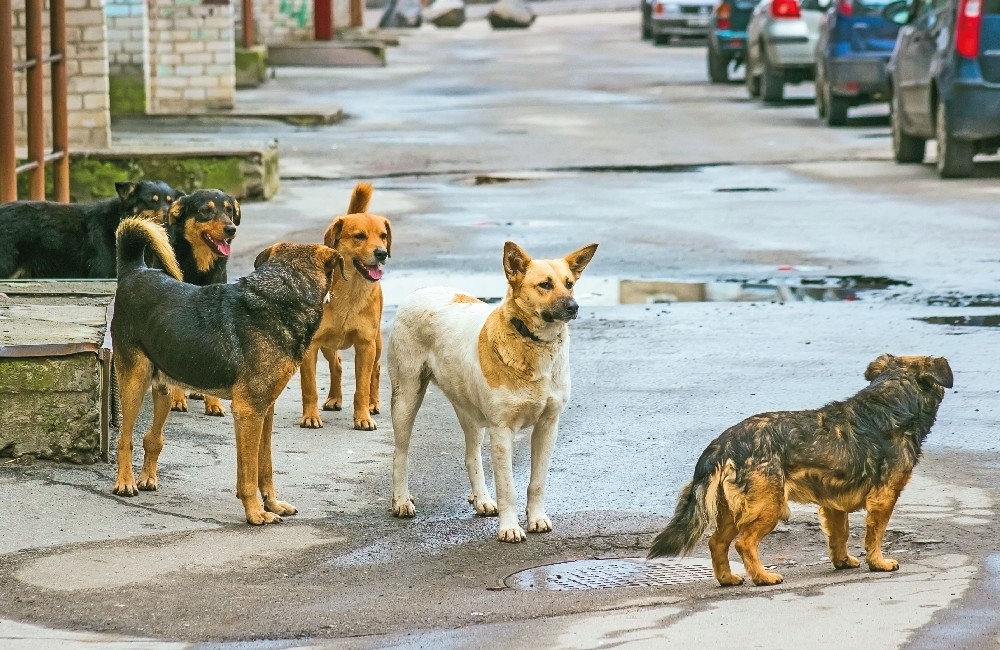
{"x":678,"y":18}
{"x":781,"y":45}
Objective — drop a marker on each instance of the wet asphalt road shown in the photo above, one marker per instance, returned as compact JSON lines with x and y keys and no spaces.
{"x":571,"y":132}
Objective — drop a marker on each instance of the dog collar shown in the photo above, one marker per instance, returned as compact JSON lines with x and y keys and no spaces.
{"x":523,"y":330}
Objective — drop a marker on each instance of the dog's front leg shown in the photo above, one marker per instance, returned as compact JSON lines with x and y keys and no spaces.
{"x":543,"y":441}
{"x":374,"y":403}
{"x":249,"y":427}
{"x":879,"y":503}
{"x":501,"y":454}
{"x":265,"y":471}
{"x":335,"y":396}
{"x":364,"y":364}
{"x":310,"y":396}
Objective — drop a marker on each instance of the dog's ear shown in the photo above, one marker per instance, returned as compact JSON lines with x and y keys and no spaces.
{"x":937,"y":370}
{"x":388,"y":238}
{"x":333,"y":261}
{"x":878,"y":366}
{"x":236,"y":212}
{"x":515,"y":262}
{"x":176,"y":210}
{"x":332,"y":235}
{"x":263,"y":256}
{"x":125,"y":189}
{"x":578,"y":260}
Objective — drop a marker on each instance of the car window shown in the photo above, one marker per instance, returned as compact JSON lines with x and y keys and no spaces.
{"x":814,"y":5}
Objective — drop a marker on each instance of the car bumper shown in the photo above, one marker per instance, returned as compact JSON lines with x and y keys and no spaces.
{"x":853,"y":76}
{"x":789,"y":44}
{"x":681,"y":25}
{"x":974,"y":111}
{"x":729,"y":42}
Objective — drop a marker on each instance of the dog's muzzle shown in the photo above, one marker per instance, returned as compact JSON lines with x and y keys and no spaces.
{"x":564,"y":311}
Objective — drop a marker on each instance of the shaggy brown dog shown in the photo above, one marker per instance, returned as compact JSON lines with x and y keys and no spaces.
{"x":354,"y":317}
{"x":848,"y":455}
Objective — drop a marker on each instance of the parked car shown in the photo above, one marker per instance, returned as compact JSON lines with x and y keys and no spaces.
{"x":855,"y":41}
{"x":679,"y":18}
{"x":727,"y":37}
{"x":781,"y":45}
{"x":944,"y":76}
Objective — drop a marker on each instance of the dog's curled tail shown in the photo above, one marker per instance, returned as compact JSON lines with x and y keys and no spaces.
{"x":360,"y":198}
{"x":133,"y":236}
{"x":696,"y":510}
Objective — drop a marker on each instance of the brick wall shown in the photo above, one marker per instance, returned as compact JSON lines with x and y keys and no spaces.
{"x":279,"y":21}
{"x":87,"y":67}
{"x":128,"y":47}
{"x":191,"y":56}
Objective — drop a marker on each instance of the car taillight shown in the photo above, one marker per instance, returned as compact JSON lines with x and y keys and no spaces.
{"x":970,"y":16}
{"x":787,"y":9}
{"x":722,"y":13}
{"x":658,"y":8}
{"x":845,"y":7}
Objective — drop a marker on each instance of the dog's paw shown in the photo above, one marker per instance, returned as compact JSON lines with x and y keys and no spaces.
{"x":768,"y":578}
{"x":261,"y":517}
{"x":373,"y":408}
{"x":850,"y":562}
{"x":311,"y":422}
{"x":484,"y":507}
{"x":883,"y":564}
{"x":213,"y":406}
{"x":279,"y":507}
{"x":196,"y":396}
{"x":147,"y":482}
{"x":125,"y":486}
{"x":178,"y":403}
{"x":364,"y":423}
{"x":333,"y":404}
{"x":403,"y":507}
{"x":539,"y":524}
{"x":512,"y":535}
{"x":730,"y":580}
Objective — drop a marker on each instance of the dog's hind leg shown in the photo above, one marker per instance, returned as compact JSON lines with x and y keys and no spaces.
{"x":152,"y":442}
{"x":543,"y":441}
{"x":310,"y":395}
{"x":409,"y":385}
{"x":249,"y":427}
{"x":836,"y":525}
{"x":879,"y":504}
{"x":134,"y":377}
{"x":501,"y":455}
{"x":480,"y":499}
{"x":718,"y":544}
{"x":335,"y":396}
{"x":265,"y":471}
{"x":765,"y":506}
{"x":178,"y":400}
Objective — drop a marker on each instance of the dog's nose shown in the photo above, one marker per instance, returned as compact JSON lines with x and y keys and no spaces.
{"x":229,"y":231}
{"x":381,"y":254}
{"x":571,"y":307}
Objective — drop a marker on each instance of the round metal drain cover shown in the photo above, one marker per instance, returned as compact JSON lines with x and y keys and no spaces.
{"x":610,"y":573}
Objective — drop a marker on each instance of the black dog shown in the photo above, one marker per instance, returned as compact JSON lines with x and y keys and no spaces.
{"x":44,"y":239}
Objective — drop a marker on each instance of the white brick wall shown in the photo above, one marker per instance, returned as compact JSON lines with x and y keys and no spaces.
{"x":87,"y":67}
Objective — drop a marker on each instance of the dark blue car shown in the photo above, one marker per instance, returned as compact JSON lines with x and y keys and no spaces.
{"x":727,"y":37}
{"x":854,"y":45}
{"x":944,"y":76}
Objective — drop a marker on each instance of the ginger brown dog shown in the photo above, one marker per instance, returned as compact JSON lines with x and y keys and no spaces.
{"x":858,"y":453}
{"x":249,"y":339}
{"x":503,"y":368}
{"x":353,"y":318}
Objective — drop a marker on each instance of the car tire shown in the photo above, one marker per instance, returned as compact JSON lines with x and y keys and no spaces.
{"x":718,"y":67}
{"x":954,"y":157}
{"x":905,"y":148}
{"x":820,"y":100}
{"x":647,"y":29}
{"x":772,"y":85}
{"x":752,"y":82}
{"x":836,"y":107}
{"x":661,"y":39}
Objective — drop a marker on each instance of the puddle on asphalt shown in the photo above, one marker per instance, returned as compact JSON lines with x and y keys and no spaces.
{"x":990,"y":320}
{"x":603,"y":291}
{"x":963,"y":300}
{"x":745,"y":189}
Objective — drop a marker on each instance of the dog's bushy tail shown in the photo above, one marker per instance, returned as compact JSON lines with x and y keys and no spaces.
{"x":696,"y":509}
{"x":360,"y":198}
{"x":132,"y":238}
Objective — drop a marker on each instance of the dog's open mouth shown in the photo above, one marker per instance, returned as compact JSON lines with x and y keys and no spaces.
{"x":221,"y":246}
{"x":371,"y":272}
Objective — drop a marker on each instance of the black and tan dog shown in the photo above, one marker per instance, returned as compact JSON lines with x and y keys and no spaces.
{"x":201,"y":227}
{"x":45,"y":239}
{"x":240,"y":341}
{"x":858,"y":453}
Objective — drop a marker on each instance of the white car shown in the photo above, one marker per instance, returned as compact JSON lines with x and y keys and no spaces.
{"x":781,"y":45}
{"x":678,"y":18}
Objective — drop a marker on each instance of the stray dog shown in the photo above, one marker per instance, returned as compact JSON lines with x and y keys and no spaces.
{"x":858,"y":453}
{"x":201,"y":227}
{"x":353,"y":317}
{"x":45,"y":239}
{"x":240,"y":341}
{"x":503,"y":368}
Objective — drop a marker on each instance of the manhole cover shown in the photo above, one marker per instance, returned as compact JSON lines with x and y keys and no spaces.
{"x":610,"y":573}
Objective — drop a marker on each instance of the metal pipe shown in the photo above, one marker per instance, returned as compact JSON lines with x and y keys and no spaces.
{"x":248,"y":35}
{"x":36,"y":99}
{"x":60,"y":117}
{"x":8,"y":141}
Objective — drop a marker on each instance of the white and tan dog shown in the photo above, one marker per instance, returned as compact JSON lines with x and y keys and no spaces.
{"x":502,"y":368}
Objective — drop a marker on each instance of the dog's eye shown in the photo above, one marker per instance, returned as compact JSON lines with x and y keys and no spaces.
{"x":547,"y":285}
{"x":168,"y":199}
{"x":156,"y":197}
{"x":382,"y":236}
{"x":359,"y":236}
{"x":569,"y":284}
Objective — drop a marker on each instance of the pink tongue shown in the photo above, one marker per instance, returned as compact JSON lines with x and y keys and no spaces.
{"x":224,"y":247}
{"x":374,"y":272}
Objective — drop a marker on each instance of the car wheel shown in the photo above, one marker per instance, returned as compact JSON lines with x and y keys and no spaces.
{"x":752,"y":81}
{"x":661,"y":39}
{"x":905,"y":148}
{"x":772,"y":85}
{"x":718,"y":67}
{"x":820,"y":100}
{"x":836,"y":107}
{"x":954,"y":157}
